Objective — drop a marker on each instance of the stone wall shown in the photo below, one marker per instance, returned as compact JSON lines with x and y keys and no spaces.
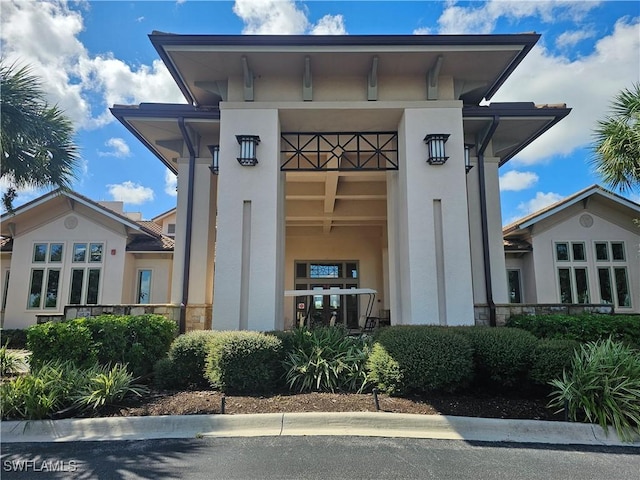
{"x":505,"y":311}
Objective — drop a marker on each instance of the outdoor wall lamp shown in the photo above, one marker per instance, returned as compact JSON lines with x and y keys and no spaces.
{"x":467,"y":156}
{"x":215,"y":156}
{"x":435,"y":142}
{"x":248,"y":144}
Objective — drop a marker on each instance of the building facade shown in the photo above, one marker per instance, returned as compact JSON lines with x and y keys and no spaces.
{"x":64,"y":249}
{"x":582,"y":250}
{"x":318,"y":162}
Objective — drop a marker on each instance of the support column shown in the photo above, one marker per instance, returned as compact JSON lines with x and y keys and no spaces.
{"x":428,"y":224}
{"x":203,"y":240}
{"x":249,"y":274}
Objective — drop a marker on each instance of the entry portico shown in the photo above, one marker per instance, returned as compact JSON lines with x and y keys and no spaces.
{"x":304,"y":162}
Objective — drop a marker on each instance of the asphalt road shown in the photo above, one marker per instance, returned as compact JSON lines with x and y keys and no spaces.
{"x":307,"y":458}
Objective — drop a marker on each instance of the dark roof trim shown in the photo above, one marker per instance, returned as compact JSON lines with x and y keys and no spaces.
{"x":158,"y":111}
{"x":160,"y":40}
{"x":520,"y":109}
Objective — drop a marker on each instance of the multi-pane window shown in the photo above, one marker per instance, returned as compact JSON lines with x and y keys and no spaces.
{"x":610,"y":284}
{"x":613,"y":279}
{"x":44,"y":281}
{"x":85,"y":279}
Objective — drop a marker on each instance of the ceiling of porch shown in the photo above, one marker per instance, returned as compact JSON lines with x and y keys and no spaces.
{"x":326,"y":200}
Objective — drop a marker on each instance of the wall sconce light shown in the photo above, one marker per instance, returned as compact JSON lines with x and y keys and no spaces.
{"x":248,"y":145}
{"x":215,"y":156}
{"x":467,"y":156}
{"x":435,"y":142}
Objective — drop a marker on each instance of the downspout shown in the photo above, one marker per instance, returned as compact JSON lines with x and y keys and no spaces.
{"x":189,"y":223}
{"x":483,"y":219}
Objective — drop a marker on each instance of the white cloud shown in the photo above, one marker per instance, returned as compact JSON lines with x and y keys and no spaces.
{"x":514,"y":181}
{"x":587,"y":85}
{"x":44,"y":35}
{"x":129,"y":192}
{"x":457,"y":19}
{"x":540,"y":201}
{"x":119,"y":148}
{"x":170,"y":183}
{"x":330,"y":25}
{"x":271,"y":17}
{"x":284,"y":17}
{"x":568,"y":40}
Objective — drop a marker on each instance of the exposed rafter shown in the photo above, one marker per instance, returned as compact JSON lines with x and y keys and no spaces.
{"x":248,"y":80}
{"x":372,"y":81}
{"x":433,"y":78}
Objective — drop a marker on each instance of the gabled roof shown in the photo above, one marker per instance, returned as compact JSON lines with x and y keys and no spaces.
{"x":171,"y":211}
{"x":146,"y":235}
{"x":552,"y":209}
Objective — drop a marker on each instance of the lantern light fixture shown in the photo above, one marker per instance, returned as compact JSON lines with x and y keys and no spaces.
{"x":467,"y":156}
{"x":435,"y":143}
{"x":248,"y":144}
{"x":215,"y":157}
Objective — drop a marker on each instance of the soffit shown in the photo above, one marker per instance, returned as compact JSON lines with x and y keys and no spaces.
{"x":483,"y":60}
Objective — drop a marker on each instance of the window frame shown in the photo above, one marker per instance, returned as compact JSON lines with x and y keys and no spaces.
{"x":520,"y":289}
{"x":139,"y":285}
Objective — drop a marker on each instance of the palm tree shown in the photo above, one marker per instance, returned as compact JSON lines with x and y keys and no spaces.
{"x":617,"y":142}
{"x":36,"y":140}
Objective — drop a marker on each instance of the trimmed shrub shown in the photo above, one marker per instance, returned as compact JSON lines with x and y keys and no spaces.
{"x":138,"y":341}
{"x":420,"y":358}
{"x":602,"y":386}
{"x":583,"y":328}
{"x":502,"y":356}
{"x":326,"y":359}
{"x":14,"y":338}
{"x":185,"y":365}
{"x":244,"y":362}
{"x":61,"y":341}
{"x":550,"y":358}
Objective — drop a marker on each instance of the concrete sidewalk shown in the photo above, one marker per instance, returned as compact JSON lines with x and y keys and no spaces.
{"x":376,"y":424}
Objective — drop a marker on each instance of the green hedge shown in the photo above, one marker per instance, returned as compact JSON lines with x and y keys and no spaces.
{"x":583,"y":328}
{"x":244,"y":362}
{"x":550,"y":358}
{"x":408,"y":359}
{"x":136,"y":340}
{"x":184,"y":367}
{"x":502,"y":356}
{"x":15,"y":338}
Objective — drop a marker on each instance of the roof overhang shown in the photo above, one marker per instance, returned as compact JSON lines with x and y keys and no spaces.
{"x":157,"y":127}
{"x":479,"y":64}
{"x":518,"y":124}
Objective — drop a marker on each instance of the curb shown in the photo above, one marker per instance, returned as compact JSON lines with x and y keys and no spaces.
{"x":371,"y":424}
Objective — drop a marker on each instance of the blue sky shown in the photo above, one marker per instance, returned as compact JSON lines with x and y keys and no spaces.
{"x":92,"y":55}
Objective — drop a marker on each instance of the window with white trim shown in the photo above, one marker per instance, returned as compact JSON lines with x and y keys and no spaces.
{"x":84,"y":288}
{"x":44,"y":280}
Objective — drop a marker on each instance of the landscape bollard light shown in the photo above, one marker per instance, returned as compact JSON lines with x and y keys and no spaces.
{"x":375,"y":399}
{"x":223,"y":402}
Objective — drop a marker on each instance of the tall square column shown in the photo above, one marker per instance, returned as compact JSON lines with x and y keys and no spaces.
{"x":429,"y":257}
{"x":249,"y":276}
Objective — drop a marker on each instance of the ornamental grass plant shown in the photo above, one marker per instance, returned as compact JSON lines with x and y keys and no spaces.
{"x":602,"y":386}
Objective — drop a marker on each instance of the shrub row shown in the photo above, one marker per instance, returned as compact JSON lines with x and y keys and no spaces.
{"x":408,"y":359}
{"x":582,"y":328}
{"x":400,"y":360}
{"x":138,"y":341}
